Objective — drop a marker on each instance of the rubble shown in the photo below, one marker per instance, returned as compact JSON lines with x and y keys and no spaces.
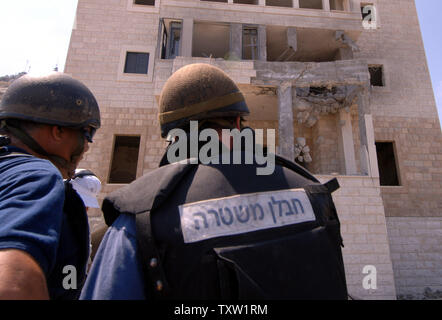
{"x":302,"y":150}
{"x":311,"y":102}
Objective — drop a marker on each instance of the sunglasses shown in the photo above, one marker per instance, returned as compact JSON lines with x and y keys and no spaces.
{"x":89,"y":133}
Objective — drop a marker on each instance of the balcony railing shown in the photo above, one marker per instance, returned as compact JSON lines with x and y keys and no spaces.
{"x":325,"y":5}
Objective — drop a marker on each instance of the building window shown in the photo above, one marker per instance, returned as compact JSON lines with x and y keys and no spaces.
{"x":136,"y":62}
{"x":211,"y":40}
{"x":376,"y":76}
{"x":216,"y":0}
{"x":171,"y":38}
{"x":250,"y":43}
{"x":310,"y":4}
{"x":246,"y":1}
{"x":124,"y":159}
{"x":280,"y":3}
{"x":387,"y":164}
{"x":337,"y":5}
{"x":145,"y":2}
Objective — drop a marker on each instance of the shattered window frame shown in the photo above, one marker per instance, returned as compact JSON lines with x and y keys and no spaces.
{"x":388,"y":164}
{"x":376,"y":79}
{"x":252,"y":32}
{"x":121,"y":141}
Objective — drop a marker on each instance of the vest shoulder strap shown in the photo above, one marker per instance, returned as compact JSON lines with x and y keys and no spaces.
{"x":330,"y":186}
{"x":294,"y":167}
{"x":145,"y":193}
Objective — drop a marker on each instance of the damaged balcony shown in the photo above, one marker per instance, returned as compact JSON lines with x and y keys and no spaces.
{"x":325,"y":5}
{"x":319,"y":111}
{"x":328,"y":14}
{"x":235,"y":41}
{"x":323,"y":114}
{"x":309,"y":45}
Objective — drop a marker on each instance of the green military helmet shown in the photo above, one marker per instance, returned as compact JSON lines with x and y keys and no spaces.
{"x":55,"y":99}
{"x":199,"y":91}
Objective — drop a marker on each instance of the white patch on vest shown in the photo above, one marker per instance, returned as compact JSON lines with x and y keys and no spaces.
{"x":244,"y":213}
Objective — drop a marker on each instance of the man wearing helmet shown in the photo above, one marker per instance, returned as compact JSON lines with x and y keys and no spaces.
{"x":43,"y":222}
{"x":217,"y":231}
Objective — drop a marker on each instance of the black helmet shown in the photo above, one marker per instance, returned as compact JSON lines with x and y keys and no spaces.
{"x":55,"y":99}
{"x":199,"y":91}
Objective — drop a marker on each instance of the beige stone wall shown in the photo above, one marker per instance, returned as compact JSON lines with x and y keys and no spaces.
{"x":404,"y":112}
{"x":356,"y":136}
{"x":416,"y":253}
{"x":363,"y":226}
{"x":418,"y":144}
{"x":397,"y":44}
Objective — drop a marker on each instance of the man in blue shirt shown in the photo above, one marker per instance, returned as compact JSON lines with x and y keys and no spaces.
{"x":47,"y":123}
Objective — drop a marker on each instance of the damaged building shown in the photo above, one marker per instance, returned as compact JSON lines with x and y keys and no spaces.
{"x":344,"y":83}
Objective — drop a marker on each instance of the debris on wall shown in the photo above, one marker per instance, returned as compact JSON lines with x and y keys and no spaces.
{"x":346,"y":41}
{"x":302,"y":150}
{"x":311,"y":102}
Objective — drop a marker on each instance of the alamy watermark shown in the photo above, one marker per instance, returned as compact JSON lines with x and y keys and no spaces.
{"x":370,"y":20}
{"x":235,"y":141}
{"x":70,"y":280}
{"x":370,"y":280}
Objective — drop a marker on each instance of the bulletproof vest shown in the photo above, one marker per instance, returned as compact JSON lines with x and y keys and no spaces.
{"x":75,"y":237}
{"x":223,"y":232}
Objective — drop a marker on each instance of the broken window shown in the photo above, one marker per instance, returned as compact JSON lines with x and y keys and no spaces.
{"x":124,"y":159}
{"x":337,"y":5}
{"x":280,"y":3}
{"x":387,"y":164}
{"x":171,"y":38}
{"x":145,"y":2}
{"x":246,"y":1}
{"x":250,"y":43}
{"x":310,"y":4}
{"x":211,"y":40}
{"x":376,"y":76}
{"x":136,"y":62}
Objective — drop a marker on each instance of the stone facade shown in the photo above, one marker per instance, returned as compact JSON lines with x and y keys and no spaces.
{"x":416,"y":254}
{"x":304,"y":56}
{"x":365,"y":236}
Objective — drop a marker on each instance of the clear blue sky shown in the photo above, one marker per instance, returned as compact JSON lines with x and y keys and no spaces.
{"x":431,"y":28}
{"x":35,"y":34}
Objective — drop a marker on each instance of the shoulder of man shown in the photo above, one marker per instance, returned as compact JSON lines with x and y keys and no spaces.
{"x":146,"y":192}
{"x":33,"y":188}
{"x":24,"y":163}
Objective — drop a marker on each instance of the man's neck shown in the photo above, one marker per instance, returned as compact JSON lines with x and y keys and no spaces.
{"x":18,"y":144}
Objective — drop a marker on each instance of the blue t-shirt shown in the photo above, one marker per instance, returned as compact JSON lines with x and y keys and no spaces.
{"x":116,"y":272}
{"x":32,"y":196}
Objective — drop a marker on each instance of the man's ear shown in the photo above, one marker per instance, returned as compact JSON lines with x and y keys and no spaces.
{"x":238,"y":123}
{"x":57,"y":133}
